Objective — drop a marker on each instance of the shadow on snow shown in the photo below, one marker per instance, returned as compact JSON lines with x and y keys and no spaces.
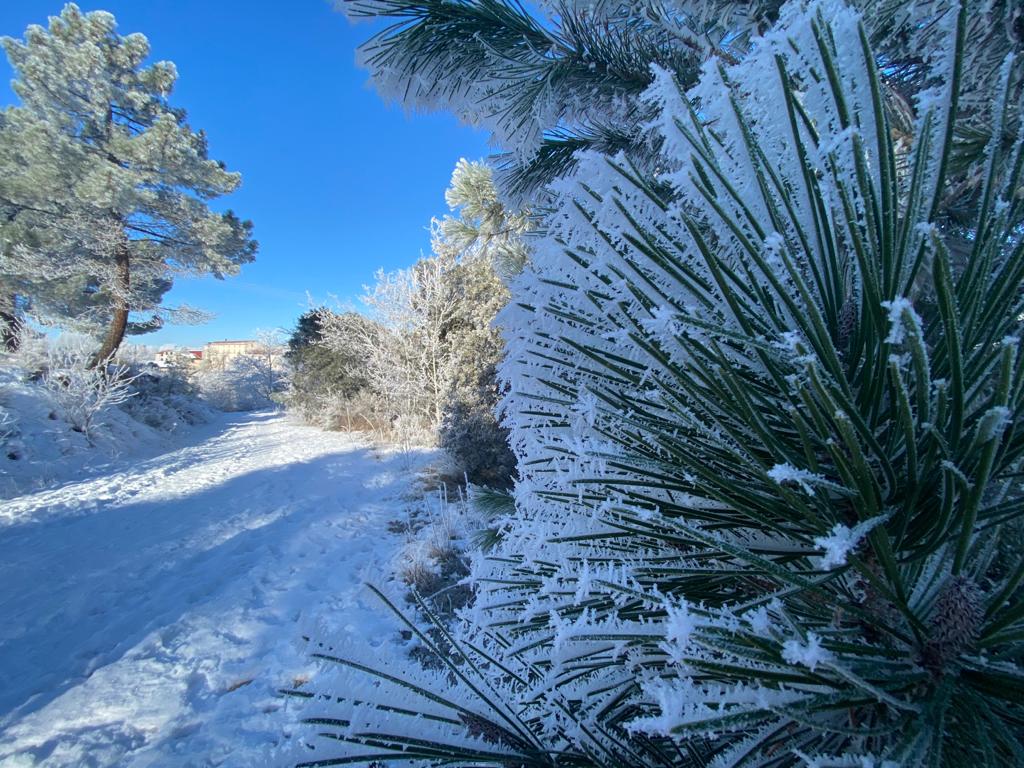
{"x":102,"y":598}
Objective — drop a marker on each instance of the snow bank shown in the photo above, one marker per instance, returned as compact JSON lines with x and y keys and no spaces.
{"x":39,"y":444}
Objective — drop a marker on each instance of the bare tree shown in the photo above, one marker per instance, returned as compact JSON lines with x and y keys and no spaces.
{"x":270,"y":353}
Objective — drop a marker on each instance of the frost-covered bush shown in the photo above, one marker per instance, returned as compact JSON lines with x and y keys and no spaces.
{"x":246,"y":383}
{"x":421,"y":363}
{"x":403,"y":350}
{"x":766,"y":402}
{"x":395,"y":352}
{"x":331,"y":409}
{"x":65,"y":417}
{"x":82,"y":391}
{"x":31,"y":352}
{"x":226,"y":391}
{"x":165,"y":399}
{"x":468,"y":430}
{"x":476,"y":441}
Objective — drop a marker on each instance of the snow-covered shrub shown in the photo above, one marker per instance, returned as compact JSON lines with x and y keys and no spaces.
{"x":766,"y":403}
{"x":471,"y":434}
{"x":326,"y":408}
{"x":82,"y":391}
{"x":45,"y":402}
{"x":246,"y":383}
{"x":420,"y":367}
{"x":329,"y":385}
{"x":413,"y":309}
{"x":434,"y":562}
{"x":31,"y":352}
{"x":165,"y":399}
{"x":11,"y":446}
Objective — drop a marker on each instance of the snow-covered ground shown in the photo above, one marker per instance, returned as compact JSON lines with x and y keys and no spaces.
{"x":39,"y":446}
{"x":149,"y":615}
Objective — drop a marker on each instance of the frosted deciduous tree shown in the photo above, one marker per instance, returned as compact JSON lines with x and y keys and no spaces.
{"x":400,"y":342}
{"x":768,"y":426}
{"x":104,"y":186}
{"x":412,"y":309}
{"x":429,"y":349}
{"x":271,"y":358}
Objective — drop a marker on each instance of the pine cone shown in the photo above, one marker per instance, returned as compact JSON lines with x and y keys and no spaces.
{"x":955,"y":622}
{"x":847,"y":322}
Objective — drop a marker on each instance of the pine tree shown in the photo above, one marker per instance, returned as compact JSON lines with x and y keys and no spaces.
{"x":308,"y":331}
{"x":554,"y":78}
{"x":104,"y":187}
{"x":768,"y":426}
{"x":482,"y":242}
{"x":326,"y":377}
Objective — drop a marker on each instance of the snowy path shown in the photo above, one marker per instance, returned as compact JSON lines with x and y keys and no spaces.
{"x":148,"y":616}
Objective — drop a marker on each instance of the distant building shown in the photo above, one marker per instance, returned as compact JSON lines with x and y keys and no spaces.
{"x":218,"y":354}
{"x":215,"y":354}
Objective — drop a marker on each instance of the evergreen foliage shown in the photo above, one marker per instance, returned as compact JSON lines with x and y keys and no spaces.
{"x":765,"y":394}
{"x":308,"y":331}
{"x":104,"y":187}
{"x":546,"y":84}
{"x":482,"y":243}
{"x":326,"y":379}
{"x":560,"y":76}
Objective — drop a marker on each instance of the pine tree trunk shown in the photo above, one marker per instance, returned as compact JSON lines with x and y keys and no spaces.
{"x":119,"y":320}
{"x":9,"y":327}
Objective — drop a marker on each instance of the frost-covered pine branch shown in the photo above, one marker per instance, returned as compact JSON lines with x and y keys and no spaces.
{"x":766,"y":401}
{"x":551,"y":80}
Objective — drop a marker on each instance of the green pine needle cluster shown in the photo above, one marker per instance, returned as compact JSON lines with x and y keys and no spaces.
{"x":765,"y":394}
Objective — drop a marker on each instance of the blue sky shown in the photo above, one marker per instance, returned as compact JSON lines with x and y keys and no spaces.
{"x":337,"y":183}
